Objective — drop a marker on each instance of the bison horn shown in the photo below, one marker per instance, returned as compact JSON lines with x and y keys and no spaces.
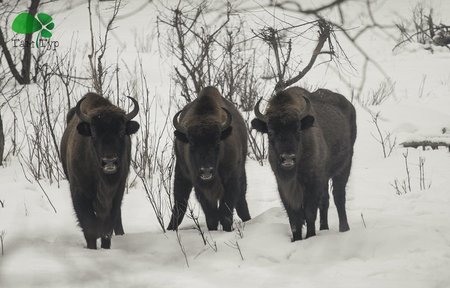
{"x":229,"y":118}
{"x":307,"y":107}
{"x":176,"y":124}
{"x":258,"y":113}
{"x":83,"y":117}
{"x":135,"y":111}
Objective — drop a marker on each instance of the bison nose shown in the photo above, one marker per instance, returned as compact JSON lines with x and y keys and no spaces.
{"x":287,"y":160}
{"x":109,"y":164}
{"x":206,"y":173}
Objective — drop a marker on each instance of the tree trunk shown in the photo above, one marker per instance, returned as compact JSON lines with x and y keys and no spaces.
{"x":24,"y":76}
{"x":26,"y":60}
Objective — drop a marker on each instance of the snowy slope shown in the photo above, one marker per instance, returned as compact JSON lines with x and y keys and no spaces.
{"x":394,"y":241}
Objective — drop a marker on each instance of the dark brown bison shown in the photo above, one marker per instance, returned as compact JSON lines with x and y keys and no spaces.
{"x":210,"y":148}
{"x":311,"y":137}
{"x":95,"y":153}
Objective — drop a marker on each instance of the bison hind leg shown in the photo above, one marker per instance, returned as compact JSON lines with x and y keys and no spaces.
{"x":242,"y":210}
{"x":339,"y":195}
{"x":106,"y":242}
{"x":118,"y":227}
{"x":323,"y":208}
{"x":241,"y":206}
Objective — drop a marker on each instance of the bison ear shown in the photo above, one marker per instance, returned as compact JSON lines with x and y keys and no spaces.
{"x":132,"y":127}
{"x":225,"y":133}
{"x":84,"y":129}
{"x":181,"y":136}
{"x":259,"y":125}
{"x":307,"y":122}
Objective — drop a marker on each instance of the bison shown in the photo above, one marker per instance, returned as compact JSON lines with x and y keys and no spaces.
{"x":95,"y":153}
{"x":210,"y":149}
{"x":311,"y":137}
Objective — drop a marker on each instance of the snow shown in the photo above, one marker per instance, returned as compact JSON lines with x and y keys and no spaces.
{"x":395,"y":240}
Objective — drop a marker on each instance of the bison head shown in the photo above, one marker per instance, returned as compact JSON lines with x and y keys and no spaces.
{"x":284,"y":125}
{"x":108,"y":128}
{"x":204,"y":138}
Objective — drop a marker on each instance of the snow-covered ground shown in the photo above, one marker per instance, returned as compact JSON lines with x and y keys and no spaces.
{"x":395,"y":240}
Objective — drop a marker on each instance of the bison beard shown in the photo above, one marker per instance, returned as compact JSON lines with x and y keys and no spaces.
{"x":210,"y":149}
{"x":95,"y":153}
{"x":311,"y":138}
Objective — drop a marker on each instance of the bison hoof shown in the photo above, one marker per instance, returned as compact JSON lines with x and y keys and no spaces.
{"x":91,"y":242}
{"x":212,"y":226}
{"x":324,"y":227}
{"x":296,"y":237}
{"x":344,"y":227}
{"x":227,"y":228}
{"x":172,"y":226}
{"x":106,"y":243}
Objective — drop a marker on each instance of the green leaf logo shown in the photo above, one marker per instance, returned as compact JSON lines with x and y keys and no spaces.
{"x":24,"y":23}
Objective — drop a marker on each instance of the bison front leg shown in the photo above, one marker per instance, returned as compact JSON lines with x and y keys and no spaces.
{"x":118,"y":228}
{"x":181,"y":191}
{"x":296,"y":219}
{"x":323,"y":208}
{"x":210,"y":209}
{"x":311,"y":205}
{"x":86,"y":219}
{"x":232,"y":193}
{"x":241,"y":206}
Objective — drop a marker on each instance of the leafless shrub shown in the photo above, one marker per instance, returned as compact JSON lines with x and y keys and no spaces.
{"x":403,"y":186}
{"x":98,"y":67}
{"x":211,"y":54}
{"x":8,"y":92}
{"x":154,"y":159}
{"x":154,"y":167}
{"x":257,"y":143}
{"x":422,"y":29}
{"x":377,"y":96}
{"x":191,"y":215}
{"x":281,"y":47}
{"x":180,"y":244}
{"x":422,"y":173}
{"x":239,"y":227}
{"x":363,"y":221}
{"x":384,"y":138}
{"x":2,"y":239}
{"x":400,"y":187}
{"x":235,"y":245}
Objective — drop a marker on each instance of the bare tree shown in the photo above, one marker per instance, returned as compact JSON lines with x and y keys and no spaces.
{"x":340,"y":23}
{"x":282,"y":58}
{"x":97,"y":66}
{"x":22,"y":77}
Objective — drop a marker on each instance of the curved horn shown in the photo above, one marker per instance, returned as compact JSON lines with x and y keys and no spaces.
{"x":229,"y":118}
{"x":135,"y":110}
{"x":83,"y":117}
{"x":177,"y":125}
{"x":307,"y":107}
{"x":258,"y":113}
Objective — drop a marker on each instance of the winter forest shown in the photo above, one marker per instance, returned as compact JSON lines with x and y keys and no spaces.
{"x":201,"y":100}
